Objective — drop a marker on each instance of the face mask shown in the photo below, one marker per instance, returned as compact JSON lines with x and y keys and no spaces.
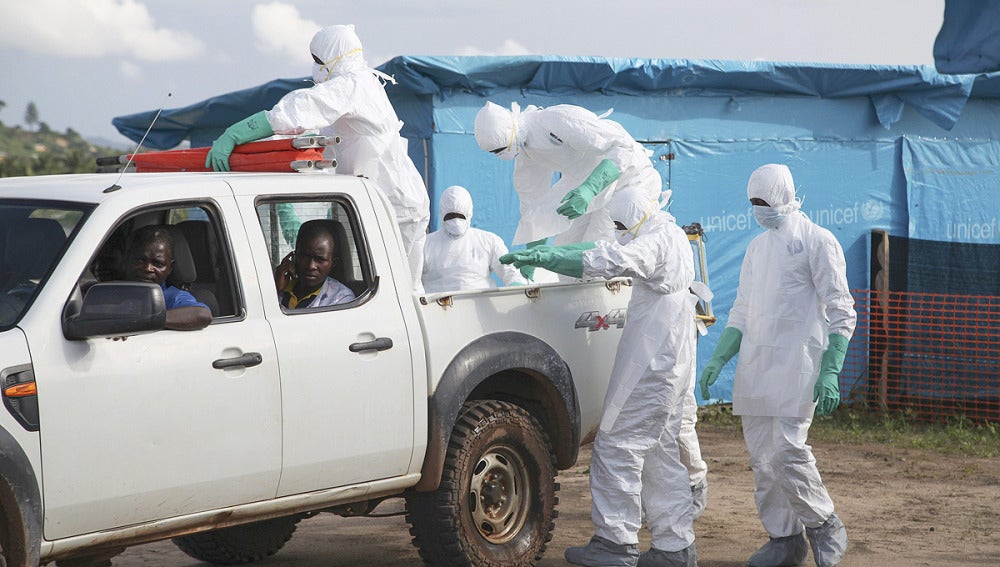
{"x":507,"y":154}
{"x":320,"y":73}
{"x":629,"y":234}
{"x":623,"y":237}
{"x":768,"y":217}
{"x":456,"y":227}
{"x":510,"y":151}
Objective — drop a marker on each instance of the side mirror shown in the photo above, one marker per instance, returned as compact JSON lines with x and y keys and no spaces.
{"x":117,"y":309}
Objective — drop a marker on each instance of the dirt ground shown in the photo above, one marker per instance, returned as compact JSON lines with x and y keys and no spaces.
{"x":902,"y":508}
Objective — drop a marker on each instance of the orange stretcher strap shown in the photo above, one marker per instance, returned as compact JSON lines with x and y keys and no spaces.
{"x":194,"y":159}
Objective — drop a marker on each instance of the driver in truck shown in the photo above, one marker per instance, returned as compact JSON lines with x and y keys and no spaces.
{"x":150,"y":258}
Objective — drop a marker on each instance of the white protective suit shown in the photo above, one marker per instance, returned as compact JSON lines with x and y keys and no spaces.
{"x":792,"y":294}
{"x":349,"y":101}
{"x":569,"y":141}
{"x":636,"y":462}
{"x":458,"y":257}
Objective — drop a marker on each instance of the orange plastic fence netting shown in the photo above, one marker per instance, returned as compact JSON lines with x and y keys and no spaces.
{"x":933,"y":355}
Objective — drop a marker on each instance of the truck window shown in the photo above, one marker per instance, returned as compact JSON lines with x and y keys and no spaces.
{"x":281,"y":223}
{"x":202,"y":265}
{"x":33,"y":236}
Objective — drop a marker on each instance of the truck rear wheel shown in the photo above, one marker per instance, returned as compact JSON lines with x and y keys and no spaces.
{"x":496,"y":502}
{"x":239,"y":544}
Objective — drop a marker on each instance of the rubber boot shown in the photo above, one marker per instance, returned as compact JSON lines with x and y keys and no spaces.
{"x":687,"y":557}
{"x":781,"y":552}
{"x":828,"y":542}
{"x":699,"y":496}
{"x":600,"y":552}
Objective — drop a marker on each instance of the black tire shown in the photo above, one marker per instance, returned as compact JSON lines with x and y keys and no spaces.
{"x":497,"y":499}
{"x":239,"y":544}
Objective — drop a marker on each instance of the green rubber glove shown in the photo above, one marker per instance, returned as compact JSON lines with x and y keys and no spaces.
{"x":729,"y":345}
{"x":247,"y":130}
{"x":289,"y":222}
{"x":575,"y":203}
{"x":562,"y":260}
{"x":827,"y":390}
{"x":528,"y":272}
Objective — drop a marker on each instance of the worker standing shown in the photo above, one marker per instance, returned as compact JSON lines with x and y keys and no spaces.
{"x":460,"y":257}
{"x":790,"y":323}
{"x":635,"y":467}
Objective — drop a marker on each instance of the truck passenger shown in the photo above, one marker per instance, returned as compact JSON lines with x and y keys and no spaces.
{"x":347,"y":101}
{"x":150,"y":258}
{"x":458,"y":257}
{"x":303,"y":276}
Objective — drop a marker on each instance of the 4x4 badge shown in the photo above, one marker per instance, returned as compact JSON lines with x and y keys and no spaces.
{"x":594,"y":321}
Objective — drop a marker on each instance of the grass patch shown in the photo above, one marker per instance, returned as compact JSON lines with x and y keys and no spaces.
{"x":956,"y":436}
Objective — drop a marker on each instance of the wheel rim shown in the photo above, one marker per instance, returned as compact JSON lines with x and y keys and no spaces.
{"x":499,"y":494}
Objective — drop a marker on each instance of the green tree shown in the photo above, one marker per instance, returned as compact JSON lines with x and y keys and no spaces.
{"x":2,"y":104}
{"x":44,"y":163}
{"x":31,"y":115}
{"x":77,"y":162}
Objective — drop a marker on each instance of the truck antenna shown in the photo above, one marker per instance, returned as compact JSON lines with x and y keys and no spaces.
{"x":115,"y":186}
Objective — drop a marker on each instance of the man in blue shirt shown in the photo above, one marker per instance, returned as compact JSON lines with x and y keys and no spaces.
{"x":150,"y":258}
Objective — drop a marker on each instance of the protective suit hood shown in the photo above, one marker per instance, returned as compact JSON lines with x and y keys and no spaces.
{"x":773,"y":183}
{"x":456,"y":199}
{"x":497,"y":129}
{"x":633,"y":208}
{"x":339,"y":48}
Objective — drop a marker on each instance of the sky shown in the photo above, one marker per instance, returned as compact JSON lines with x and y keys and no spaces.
{"x":83,"y":62}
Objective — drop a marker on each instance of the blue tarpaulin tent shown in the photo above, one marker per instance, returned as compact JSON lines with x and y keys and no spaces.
{"x":969,"y":40}
{"x":904,"y":149}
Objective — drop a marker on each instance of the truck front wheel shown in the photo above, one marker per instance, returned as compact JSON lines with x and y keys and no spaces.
{"x":496,"y":502}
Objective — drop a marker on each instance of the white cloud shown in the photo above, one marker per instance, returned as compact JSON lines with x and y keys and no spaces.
{"x":280,"y":29}
{"x":508,"y":47}
{"x":129,"y":70}
{"x":92,"y":28}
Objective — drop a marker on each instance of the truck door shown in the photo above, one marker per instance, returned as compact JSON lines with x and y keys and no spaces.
{"x":345,"y":358}
{"x":146,"y":428}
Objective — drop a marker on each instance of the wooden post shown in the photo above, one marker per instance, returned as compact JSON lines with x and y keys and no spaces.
{"x":880,"y":318}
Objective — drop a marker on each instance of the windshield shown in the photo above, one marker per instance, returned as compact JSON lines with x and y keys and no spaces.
{"x":33,"y":236}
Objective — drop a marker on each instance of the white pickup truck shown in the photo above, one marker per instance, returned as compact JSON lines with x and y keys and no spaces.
{"x":224,"y":438}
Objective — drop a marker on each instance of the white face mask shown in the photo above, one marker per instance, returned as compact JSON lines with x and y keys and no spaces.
{"x":624,"y":236}
{"x":510,"y":151}
{"x":456,"y":227}
{"x":320,"y":73}
{"x":768,"y":217}
{"x":628,"y":235}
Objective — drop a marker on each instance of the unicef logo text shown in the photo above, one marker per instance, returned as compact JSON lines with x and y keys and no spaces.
{"x":870,"y":212}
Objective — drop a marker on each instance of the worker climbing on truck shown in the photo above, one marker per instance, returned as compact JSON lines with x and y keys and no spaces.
{"x":348,"y":101}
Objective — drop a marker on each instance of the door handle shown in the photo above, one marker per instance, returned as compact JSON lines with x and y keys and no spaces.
{"x":381,"y":343}
{"x":249,"y":359}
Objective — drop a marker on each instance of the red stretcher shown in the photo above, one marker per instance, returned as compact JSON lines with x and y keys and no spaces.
{"x":284,"y":155}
